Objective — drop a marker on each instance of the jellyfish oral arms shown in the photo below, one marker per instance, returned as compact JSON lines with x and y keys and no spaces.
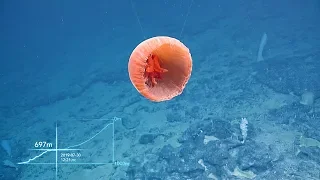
{"x":160,"y":67}
{"x":153,"y":70}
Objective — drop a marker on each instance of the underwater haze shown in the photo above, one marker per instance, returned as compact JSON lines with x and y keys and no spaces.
{"x":70,"y":110}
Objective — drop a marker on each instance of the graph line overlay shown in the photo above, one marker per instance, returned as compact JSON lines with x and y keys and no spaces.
{"x":73,"y":148}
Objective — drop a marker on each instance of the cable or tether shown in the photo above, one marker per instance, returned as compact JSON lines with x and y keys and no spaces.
{"x":135,"y":12}
{"x":185,"y":21}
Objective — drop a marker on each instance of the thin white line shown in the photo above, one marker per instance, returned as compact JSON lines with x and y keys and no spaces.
{"x":34,"y":158}
{"x":66,"y":163}
{"x":86,"y":163}
{"x":89,"y":138}
{"x":56,"y":151}
{"x":86,"y":119}
{"x":185,"y":21}
{"x":113,"y":141}
{"x":49,"y":150}
{"x":93,"y":119}
{"x":137,"y":16}
{"x":41,"y":163}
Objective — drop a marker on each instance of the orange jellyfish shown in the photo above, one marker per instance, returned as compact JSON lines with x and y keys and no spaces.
{"x":160,"y":67}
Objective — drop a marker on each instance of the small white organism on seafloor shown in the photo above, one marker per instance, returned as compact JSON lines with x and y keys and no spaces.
{"x":244,"y":129}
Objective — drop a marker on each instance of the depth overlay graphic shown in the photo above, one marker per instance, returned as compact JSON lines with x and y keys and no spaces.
{"x":70,"y":154}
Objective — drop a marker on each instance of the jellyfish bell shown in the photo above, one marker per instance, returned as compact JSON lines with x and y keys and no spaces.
{"x":160,"y":67}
